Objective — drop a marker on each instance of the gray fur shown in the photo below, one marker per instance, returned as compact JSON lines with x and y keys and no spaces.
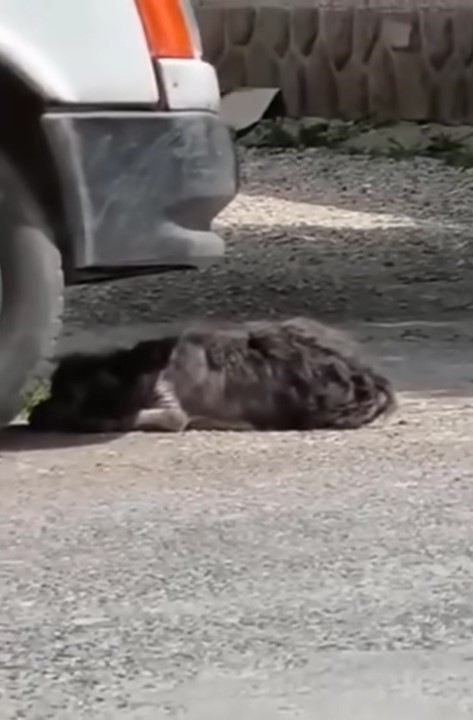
{"x":294,"y":374}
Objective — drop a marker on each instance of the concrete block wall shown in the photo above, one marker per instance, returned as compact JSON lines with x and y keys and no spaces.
{"x":351,"y":59}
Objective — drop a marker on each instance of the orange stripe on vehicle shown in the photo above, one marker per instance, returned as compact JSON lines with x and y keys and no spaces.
{"x":165,"y":28}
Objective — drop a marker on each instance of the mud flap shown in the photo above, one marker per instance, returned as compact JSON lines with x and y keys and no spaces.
{"x":244,"y":107}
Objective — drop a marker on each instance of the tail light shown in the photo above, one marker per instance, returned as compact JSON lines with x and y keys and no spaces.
{"x":170,"y":27}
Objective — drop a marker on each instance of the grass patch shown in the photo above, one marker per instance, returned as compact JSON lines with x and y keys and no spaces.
{"x":32,"y":396}
{"x":450,"y":149}
{"x":446,"y":145}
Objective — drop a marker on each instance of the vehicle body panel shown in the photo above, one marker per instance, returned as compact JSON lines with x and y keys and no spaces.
{"x":143,"y":159}
{"x":189,"y":85}
{"x":87,"y":52}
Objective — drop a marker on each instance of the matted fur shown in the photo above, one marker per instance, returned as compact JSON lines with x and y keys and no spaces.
{"x":294,"y":374}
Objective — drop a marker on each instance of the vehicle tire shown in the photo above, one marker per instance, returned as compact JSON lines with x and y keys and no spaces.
{"x":31,"y":289}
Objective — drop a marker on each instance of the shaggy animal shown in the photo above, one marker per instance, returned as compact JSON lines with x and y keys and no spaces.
{"x":290,"y":375}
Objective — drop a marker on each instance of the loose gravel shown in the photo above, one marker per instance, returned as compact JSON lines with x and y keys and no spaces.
{"x":316,"y":231}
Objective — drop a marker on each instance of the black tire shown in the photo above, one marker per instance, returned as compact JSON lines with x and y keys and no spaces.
{"x":31,"y":289}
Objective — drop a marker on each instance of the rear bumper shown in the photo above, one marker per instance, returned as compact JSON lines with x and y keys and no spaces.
{"x":141,"y":189}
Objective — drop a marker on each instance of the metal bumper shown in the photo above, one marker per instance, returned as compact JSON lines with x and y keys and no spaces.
{"x":141,"y":189}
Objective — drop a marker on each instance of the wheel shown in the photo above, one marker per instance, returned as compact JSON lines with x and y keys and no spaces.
{"x":31,"y":289}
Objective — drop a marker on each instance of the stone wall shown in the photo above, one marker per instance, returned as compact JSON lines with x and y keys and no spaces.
{"x":386,"y":59}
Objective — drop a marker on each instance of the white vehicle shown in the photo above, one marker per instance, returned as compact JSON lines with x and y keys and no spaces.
{"x":114,"y":159}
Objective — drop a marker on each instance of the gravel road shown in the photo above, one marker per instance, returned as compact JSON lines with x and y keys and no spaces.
{"x":295,"y":576}
{"x":338,"y":236}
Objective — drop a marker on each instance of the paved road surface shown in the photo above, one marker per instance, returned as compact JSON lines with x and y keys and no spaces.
{"x":268,"y":577}
{"x":283,"y":576}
